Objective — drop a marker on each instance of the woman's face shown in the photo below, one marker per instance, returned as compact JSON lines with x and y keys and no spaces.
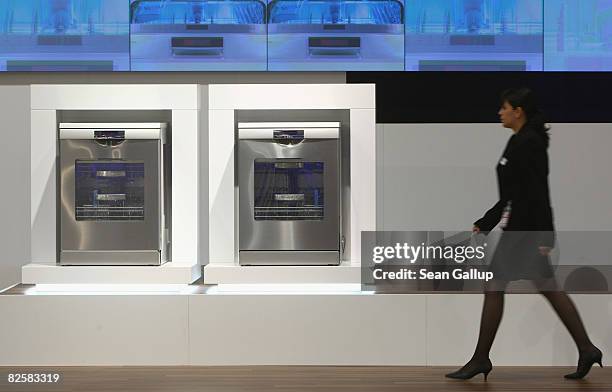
{"x":509,"y":116}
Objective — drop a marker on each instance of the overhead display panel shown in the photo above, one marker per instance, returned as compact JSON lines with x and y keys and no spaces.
{"x":474,"y":35}
{"x":335,"y":35}
{"x":64,"y":35}
{"x":305,"y":35}
{"x":578,"y":35}
{"x":196,"y":35}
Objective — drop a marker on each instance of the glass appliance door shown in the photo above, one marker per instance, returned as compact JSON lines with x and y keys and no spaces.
{"x":109,"y":190}
{"x":289,"y":195}
{"x":287,"y":189}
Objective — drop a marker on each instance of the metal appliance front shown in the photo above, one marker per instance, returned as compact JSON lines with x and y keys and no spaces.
{"x":298,"y":240}
{"x":111,"y":240}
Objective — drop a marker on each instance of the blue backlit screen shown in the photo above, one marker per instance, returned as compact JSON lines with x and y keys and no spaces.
{"x":214,"y":35}
{"x":305,"y":35}
{"x":578,"y":35}
{"x":487,"y":35}
{"x":330,"y":35}
{"x":64,"y":35}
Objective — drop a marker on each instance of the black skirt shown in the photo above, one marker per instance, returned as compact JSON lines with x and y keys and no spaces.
{"x":517,"y":257}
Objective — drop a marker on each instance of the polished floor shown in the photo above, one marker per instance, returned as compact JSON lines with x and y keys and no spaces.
{"x":304,"y":378}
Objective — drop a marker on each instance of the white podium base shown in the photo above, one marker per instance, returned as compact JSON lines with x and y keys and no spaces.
{"x":144,"y":329}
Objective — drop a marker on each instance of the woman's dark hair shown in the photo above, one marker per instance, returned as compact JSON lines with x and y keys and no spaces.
{"x":525,"y":98}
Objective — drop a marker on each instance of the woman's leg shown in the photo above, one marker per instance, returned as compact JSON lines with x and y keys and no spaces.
{"x":492,"y":312}
{"x":566,"y":310}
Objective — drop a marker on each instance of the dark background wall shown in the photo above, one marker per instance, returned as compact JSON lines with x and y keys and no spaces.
{"x":473,"y":97}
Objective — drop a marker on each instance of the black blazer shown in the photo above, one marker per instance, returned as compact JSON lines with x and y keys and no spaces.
{"x":522,"y":178}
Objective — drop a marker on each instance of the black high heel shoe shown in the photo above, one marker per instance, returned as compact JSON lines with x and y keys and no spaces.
{"x":470,"y":370}
{"x":586,"y":360}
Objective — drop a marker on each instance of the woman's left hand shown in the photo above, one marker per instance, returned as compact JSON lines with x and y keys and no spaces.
{"x":544,"y":250}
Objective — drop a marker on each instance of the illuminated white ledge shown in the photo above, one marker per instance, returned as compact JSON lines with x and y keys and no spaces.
{"x":287,"y":289}
{"x":111,"y":289}
{"x":220,"y":273}
{"x":169,"y":273}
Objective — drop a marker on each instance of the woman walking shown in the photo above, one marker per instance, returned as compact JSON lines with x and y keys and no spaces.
{"x":524,"y":213}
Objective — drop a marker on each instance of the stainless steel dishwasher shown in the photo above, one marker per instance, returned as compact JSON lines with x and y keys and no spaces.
{"x":112,"y":197}
{"x":289,"y":193}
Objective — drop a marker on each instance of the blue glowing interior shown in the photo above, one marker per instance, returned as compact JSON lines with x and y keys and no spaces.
{"x":198,"y":12}
{"x":474,"y":16}
{"x":288,"y":190}
{"x":64,"y":17}
{"x":336,"y":12}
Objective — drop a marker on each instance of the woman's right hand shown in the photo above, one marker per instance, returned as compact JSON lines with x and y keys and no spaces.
{"x":475,"y":229}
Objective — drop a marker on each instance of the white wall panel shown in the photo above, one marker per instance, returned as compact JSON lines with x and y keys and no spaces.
{"x":276,"y":96}
{"x":580,"y":178}
{"x":363,"y":177}
{"x":442,"y":176}
{"x":15,"y":194}
{"x":203,"y":230}
{"x":185,"y":185}
{"x":221,"y":186}
{"x":286,"y":329}
{"x":307,"y":330}
{"x":105,"y":97}
{"x":437,"y":176}
{"x":43,"y":152}
{"x":82,"y":330}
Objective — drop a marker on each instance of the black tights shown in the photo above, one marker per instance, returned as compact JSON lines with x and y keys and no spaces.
{"x":493,"y":309}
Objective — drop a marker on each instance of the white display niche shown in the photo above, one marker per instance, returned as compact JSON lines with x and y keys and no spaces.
{"x":181,"y":104}
{"x":226,"y":104}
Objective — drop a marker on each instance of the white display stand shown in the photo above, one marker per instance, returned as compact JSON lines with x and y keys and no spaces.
{"x":250,"y":329}
{"x":184,"y":103}
{"x":224,"y":101}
